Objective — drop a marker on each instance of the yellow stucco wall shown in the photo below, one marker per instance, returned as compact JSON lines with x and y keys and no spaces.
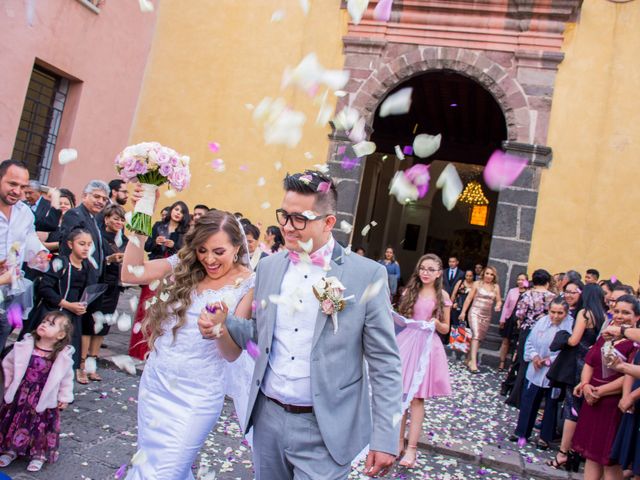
{"x":588,"y":205}
{"x":212,"y":57}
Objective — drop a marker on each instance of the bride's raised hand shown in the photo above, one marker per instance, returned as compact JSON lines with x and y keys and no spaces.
{"x":138,"y":193}
{"x":211,"y":320}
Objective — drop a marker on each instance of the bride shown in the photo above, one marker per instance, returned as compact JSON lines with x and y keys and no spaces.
{"x":186,"y":377}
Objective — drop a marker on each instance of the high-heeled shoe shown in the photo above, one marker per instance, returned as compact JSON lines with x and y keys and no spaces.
{"x":410,"y":457}
{"x":557,"y":464}
{"x":573,"y":462}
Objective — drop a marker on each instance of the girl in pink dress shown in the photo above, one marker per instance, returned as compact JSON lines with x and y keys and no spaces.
{"x":425,"y":372}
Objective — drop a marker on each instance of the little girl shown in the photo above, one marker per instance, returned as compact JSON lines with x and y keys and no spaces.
{"x":62,"y":286}
{"x":38,"y":383}
{"x":425,"y":372}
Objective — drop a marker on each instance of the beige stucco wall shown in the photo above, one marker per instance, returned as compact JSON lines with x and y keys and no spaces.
{"x":587,"y":210}
{"x":209,"y":59}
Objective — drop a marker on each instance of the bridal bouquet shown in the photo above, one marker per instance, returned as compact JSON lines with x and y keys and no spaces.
{"x":153,"y":165}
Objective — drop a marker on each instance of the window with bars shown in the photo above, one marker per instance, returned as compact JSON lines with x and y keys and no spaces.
{"x":40,"y":122}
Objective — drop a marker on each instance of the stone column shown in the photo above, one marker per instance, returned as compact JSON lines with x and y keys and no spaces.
{"x":515,"y":214}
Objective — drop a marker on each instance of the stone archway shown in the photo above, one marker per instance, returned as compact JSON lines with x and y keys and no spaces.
{"x":520,"y":82}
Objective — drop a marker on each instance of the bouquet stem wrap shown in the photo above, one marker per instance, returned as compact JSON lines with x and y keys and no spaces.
{"x":141,"y":219}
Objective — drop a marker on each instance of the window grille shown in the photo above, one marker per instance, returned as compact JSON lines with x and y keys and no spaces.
{"x":40,"y":122}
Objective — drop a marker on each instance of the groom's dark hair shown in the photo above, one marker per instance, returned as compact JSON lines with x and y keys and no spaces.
{"x":318,"y":184}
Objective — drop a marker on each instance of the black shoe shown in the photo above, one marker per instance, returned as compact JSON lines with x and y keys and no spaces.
{"x":513,"y":438}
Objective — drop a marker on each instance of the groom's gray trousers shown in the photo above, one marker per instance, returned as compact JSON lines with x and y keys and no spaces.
{"x":289,"y":446}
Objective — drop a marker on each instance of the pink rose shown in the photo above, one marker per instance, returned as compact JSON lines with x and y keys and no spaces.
{"x":140,"y":168}
{"x":163,"y":158}
{"x":165,"y":170}
{"x":327,"y":307}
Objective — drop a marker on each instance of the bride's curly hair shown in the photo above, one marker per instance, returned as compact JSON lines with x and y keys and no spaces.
{"x":189,"y":273}
{"x":411,"y":292}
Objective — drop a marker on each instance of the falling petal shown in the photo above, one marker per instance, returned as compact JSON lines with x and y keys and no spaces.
{"x":407,"y":150}
{"x":401,"y":188}
{"x":368,"y":227}
{"x":306,"y":246}
{"x":399,"y":153}
{"x":164,"y":296}
{"x":277,"y":16}
{"x":356,"y":9}
{"x":67,"y":155}
{"x":137,"y":327}
{"x":346,"y":227}
{"x":133,"y":303}
{"x":124,"y":322}
{"x":90,"y":365}
{"x":139,"y":458}
{"x":398,"y":103}
{"x":218,"y":165}
{"x":426,"y":145}
{"x":419,"y":176}
{"x":146,"y":6}
{"x":153,"y":286}
{"x":574,"y":412}
{"x":502,"y":170}
{"x":261,"y":182}
{"x":346,"y":118}
{"x":349,"y":163}
{"x":136,"y":271}
{"x":54,"y":197}
{"x":372,"y":291}
{"x":357,"y":133}
{"x":277,"y":166}
{"x":364,"y":148}
{"x":252,"y":349}
{"x":214,"y":147}
{"x":305,"y":6}
{"x":170,"y":193}
{"x":56,"y":264}
{"x":614,"y":279}
{"x":265,"y":205}
{"x":324,"y":115}
{"x":121,"y":472}
{"x":126,"y":363}
{"x":322,"y":168}
{"x":14,"y":315}
{"x":324,"y":187}
{"x":382,"y":12}
{"x":451,"y":185}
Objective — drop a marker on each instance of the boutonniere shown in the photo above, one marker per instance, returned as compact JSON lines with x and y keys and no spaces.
{"x":330,"y":293}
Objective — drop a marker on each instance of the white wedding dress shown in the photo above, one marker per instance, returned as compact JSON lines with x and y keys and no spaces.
{"x":182,"y":392}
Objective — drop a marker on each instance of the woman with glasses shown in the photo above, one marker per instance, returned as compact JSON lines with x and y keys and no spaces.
{"x":483,"y":296}
{"x":572,"y":293}
{"x":425,"y":373}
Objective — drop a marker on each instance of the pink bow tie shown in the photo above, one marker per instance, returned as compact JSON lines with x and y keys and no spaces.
{"x":316,"y":258}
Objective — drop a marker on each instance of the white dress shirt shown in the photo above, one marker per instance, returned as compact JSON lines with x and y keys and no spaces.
{"x":288,"y":376}
{"x":538,"y":343}
{"x":19,"y":228}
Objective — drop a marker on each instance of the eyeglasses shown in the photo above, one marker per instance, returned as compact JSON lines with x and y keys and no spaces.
{"x":298,"y":220}
{"x":430,"y":271}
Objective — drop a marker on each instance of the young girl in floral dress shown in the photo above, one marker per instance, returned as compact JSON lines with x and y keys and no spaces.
{"x":38,"y":383}
{"x":425,"y":372}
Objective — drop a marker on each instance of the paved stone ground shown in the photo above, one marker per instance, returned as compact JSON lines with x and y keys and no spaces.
{"x":464,"y":435}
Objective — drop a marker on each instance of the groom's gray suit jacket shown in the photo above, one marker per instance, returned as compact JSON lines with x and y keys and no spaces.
{"x":347,"y":419}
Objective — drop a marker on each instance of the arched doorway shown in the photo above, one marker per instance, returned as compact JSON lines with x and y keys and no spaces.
{"x":472,"y":125}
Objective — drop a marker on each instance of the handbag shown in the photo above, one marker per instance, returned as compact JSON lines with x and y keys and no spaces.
{"x":460,"y":338}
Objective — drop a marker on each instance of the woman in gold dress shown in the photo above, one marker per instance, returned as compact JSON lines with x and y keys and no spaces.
{"x":480,"y":305}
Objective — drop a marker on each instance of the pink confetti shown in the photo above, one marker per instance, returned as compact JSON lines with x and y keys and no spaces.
{"x":614,"y":279}
{"x":14,"y":315}
{"x":349,"y":163}
{"x":244,"y":168}
{"x":214,"y":147}
{"x":252,"y":349}
{"x":341,"y":149}
{"x":502,"y":170}
{"x":382,"y":12}
{"x":121,"y":471}
{"x":408,"y":150}
{"x":525,"y":283}
{"x":522,"y":442}
{"x":573,"y":412}
{"x":419,"y":176}
{"x":254,"y":307}
{"x":324,"y":187}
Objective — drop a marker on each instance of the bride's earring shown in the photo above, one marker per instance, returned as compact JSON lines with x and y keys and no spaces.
{"x":235,"y":258}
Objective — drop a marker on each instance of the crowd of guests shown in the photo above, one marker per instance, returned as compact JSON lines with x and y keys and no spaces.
{"x":568,"y":342}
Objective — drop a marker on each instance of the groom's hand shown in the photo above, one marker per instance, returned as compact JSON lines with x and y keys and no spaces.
{"x":378,"y":463}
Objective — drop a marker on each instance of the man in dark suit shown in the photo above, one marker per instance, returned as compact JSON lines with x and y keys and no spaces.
{"x":47,"y":217}
{"x":452,"y":275}
{"x":94,"y":198}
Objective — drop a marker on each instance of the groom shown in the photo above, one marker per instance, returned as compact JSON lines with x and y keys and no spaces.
{"x":309,"y":404}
